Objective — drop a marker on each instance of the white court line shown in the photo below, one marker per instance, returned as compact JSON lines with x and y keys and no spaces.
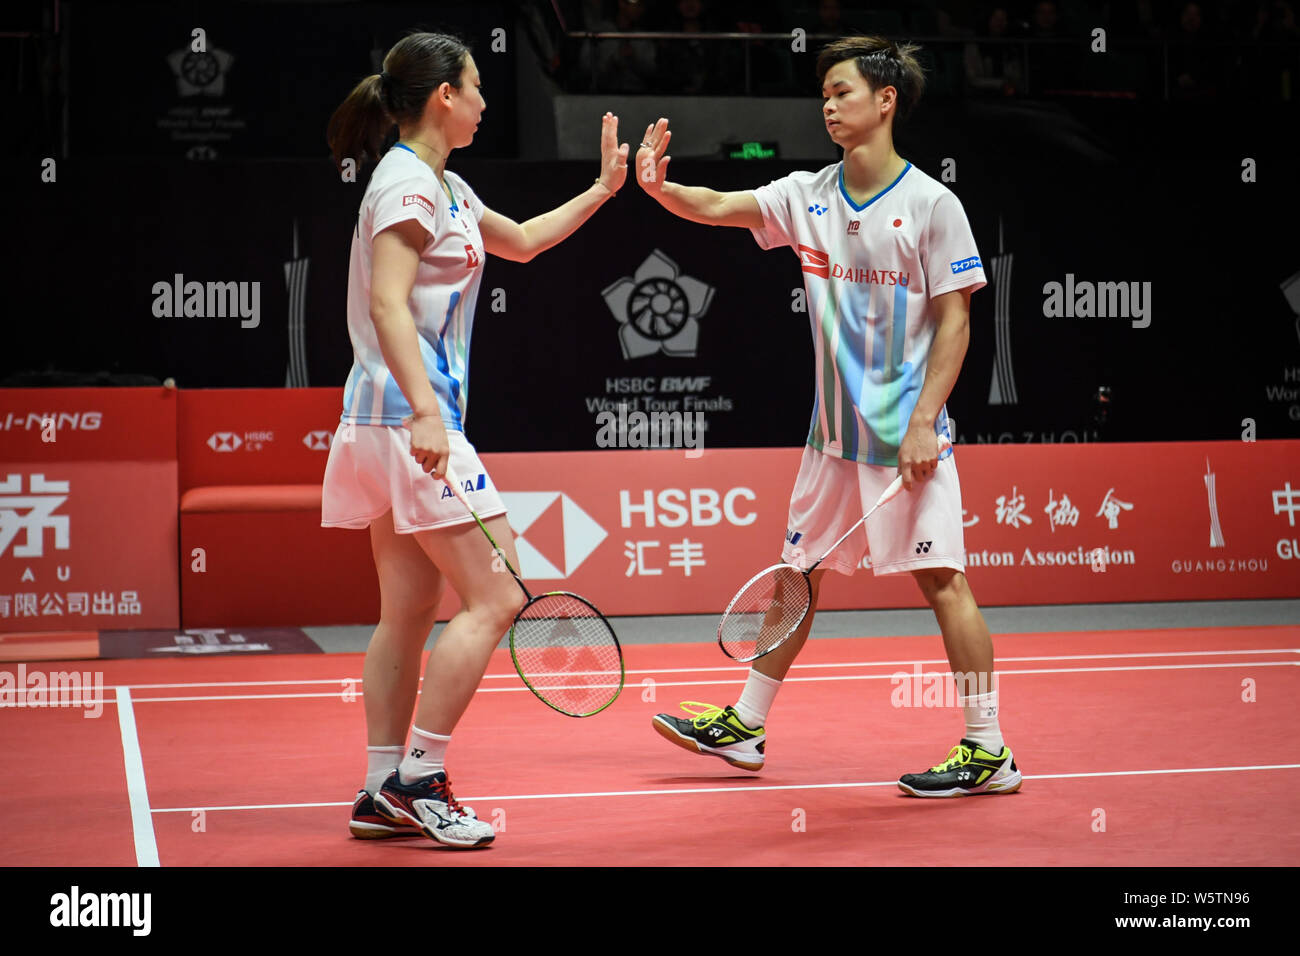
{"x":731,"y":680}
{"x":744,"y":667}
{"x":743,"y":789}
{"x":146,"y":846}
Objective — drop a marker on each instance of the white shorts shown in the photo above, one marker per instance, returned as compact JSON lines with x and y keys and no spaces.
{"x":370,"y":471}
{"x":918,"y":529}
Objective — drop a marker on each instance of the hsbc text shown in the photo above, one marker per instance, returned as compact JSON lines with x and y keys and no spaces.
{"x":674,"y":507}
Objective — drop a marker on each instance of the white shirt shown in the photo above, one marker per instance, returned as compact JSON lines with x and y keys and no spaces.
{"x":442,"y":299}
{"x":870,"y":272}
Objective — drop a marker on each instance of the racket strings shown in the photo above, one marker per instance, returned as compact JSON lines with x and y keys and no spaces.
{"x":765,"y":613}
{"x":568,"y":654}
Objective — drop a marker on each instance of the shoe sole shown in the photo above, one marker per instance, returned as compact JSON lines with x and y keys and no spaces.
{"x":688,"y":743}
{"x":398,"y":814}
{"x":1005,"y":785}
{"x":379,"y":831}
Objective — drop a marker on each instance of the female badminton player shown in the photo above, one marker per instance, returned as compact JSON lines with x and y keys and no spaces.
{"x":413,"y":279}
{"x":889,"y":266}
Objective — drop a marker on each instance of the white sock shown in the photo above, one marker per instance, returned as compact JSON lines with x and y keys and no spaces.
{"x":424,"y":757}
{"x":380,"y":762}
{"x":982,"y":720}
{"x":756,"y":699}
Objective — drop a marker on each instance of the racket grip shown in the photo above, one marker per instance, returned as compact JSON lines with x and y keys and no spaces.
{"x":896,"y":485}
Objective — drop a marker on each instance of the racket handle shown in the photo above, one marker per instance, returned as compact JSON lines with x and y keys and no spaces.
{"x":896,"y":485}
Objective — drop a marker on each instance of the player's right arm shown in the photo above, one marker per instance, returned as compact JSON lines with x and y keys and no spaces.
{"x":395,"y":260}
{"x":696,"y":203}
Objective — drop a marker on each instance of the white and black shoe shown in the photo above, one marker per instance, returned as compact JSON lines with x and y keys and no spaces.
{"x":428,"y":804}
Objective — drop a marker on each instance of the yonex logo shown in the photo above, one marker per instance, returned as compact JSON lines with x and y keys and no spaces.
{"x":817,"y":208}
{"x":923,"y":547}
{"x":962,"y":265}
{"x":317,"y":441}
{"x":224,"y":441}
{"x":814,"y":261}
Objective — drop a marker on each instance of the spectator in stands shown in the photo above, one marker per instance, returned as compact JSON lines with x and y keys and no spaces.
{"x":620,"y":66}
{"x":1191,"y":66}
{"x":686,"y":66}
{"x":994,"y":67}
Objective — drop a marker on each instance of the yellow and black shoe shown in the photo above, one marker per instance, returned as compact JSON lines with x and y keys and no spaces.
{"x":715,"y":731}
{"x":969,"y":770}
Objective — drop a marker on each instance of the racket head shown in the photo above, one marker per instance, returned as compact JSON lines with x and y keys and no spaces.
{"x":567,"y":654}
{"x":765,"y":612}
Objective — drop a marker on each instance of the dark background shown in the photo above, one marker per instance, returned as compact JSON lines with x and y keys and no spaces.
{"x":1144,"y":186}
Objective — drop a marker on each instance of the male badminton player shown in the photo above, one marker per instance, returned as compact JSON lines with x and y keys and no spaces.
{"x":413,"y":279}
{"x":889,"y":265}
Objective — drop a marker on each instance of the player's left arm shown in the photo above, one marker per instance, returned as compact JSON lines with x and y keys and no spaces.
{"x":520,"y":242}
{"x":918,"y":454}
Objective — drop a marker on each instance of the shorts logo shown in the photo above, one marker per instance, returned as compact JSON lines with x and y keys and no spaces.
{"x":415,"y":200}
{"x":815,"y":261}
{"x":468,"y":484}
{"x":793,"y":536}
{"x":961,"y":265}
{"x":923,"y":547}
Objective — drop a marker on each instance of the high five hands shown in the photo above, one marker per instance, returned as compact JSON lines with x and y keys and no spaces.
{"x":651,"y":163}
{"x":613,"y":157}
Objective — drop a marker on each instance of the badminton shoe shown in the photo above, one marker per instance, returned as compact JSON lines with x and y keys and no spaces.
{"x":368,"y":824}
{"x":969,"y":770}
{"x":428,"y":805}
{"x":715,"y":731}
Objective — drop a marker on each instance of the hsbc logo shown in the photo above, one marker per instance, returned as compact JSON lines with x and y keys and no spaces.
{"x":317,"y":441}
{"x":224,"y":441}
{"x":553,"y":535}
{"x":231,"y":441}
{"x":814,"y":261}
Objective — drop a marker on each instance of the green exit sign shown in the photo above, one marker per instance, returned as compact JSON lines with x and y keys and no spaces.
{"x":752,"y":150}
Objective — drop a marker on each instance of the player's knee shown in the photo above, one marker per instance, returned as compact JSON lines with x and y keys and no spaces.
{"x":939,"y":584}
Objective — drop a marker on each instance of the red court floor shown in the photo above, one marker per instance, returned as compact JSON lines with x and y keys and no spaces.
{"x":255,"y":761}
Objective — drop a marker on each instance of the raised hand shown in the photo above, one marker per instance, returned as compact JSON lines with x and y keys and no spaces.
{"x":613,"y":157}
{"x":651,"y":163}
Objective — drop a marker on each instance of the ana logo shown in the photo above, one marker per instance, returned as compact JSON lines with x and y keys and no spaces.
{"x":317,"y":441}
{"x":853,"y":227}
{"x":814,"y":261}
{"x":553,"y":535}
{"x":961,"y":265}
{"x":224,"y":441}
{"x":923,"y":547}
{"x":471,"y":257}
{"x":658,"y":309}
{"x":793,"y":536}
{"x":416,"y":200}
{"x":817,"y":208}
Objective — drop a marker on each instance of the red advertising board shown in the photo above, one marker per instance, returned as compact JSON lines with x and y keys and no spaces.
{"x":658,"y":532}
{"x":87,"y":509}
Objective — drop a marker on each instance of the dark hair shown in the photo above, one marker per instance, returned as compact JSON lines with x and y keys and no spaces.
{"x":413,"y":69}
{"x":882,"y":63}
